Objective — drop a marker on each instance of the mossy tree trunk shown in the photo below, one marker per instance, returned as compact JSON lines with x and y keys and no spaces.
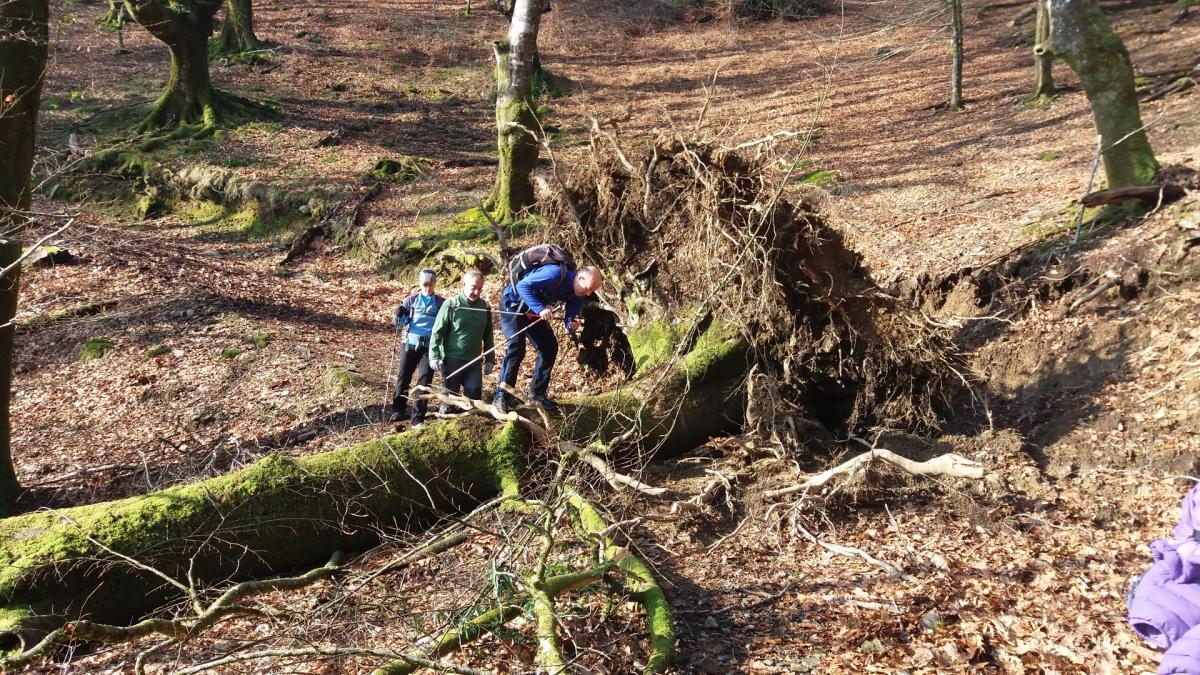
{"x":1081,"y":36}
{"x":274,"y":515}
{"x":956,"y":55}
{"x":281,"y":513}
{"x":237,"y":33}
{"x":516,"y":119}
{"x":189,"y":97}
{"x":1043,"y":55}
{"x":23,"y":50}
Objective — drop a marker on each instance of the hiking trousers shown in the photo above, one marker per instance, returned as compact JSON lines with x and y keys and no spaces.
{"x":469,"y":379}
{"x":414,"y":359}
{"x":541,"y":335}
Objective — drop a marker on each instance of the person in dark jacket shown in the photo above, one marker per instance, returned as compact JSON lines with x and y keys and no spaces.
{"x":461,"y":334}
{"x":416,"y":314}
{"x":534,"y":293}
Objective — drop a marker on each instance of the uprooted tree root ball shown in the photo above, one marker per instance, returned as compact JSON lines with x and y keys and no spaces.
{"x":688,"y":226}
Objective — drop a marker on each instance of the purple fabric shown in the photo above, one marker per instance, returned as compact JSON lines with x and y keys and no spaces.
{"x":1164,"y":605}
{"x":1183,"y":658}
{"x":1189,"y":515}
{"x":1157,"y":611}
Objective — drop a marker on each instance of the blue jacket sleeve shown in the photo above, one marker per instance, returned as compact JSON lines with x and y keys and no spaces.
{"x":403,"y":313}
{"x":574,"y":306}
{"x":530,"y":288}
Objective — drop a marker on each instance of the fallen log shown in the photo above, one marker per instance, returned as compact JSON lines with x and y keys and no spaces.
{"x":1147,"y":194}
{"x":275,"y":515}
{"x":281,"y":513}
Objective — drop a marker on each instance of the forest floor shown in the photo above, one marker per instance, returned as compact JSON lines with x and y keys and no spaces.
{"x":219,"y":356}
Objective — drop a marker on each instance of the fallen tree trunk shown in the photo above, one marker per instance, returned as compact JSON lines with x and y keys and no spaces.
{"x":282,"y":513}
{"x":272,"y":516}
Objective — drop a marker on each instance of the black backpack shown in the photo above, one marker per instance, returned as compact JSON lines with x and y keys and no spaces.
{"x":534,"y":257}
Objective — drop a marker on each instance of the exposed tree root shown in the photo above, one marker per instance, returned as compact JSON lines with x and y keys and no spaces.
{"x":950,"y":464}
{"x":200,"y":114}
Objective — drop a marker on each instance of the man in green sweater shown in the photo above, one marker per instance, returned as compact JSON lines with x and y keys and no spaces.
{"x":463,"y":331}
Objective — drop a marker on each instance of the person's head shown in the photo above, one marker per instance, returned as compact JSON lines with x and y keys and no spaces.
{"x":473,"y":284}
{"x":588,"y":280}
{"x":427,"y":278}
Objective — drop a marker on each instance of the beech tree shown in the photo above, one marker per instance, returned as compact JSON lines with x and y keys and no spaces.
{"x":237,"y":33}
{"x":1043,"y":55}
{"x":1081,"y":36}
{"x":190,"y":98}
{"x":956,"y":55}
{"x":516,"y":118}
{"x":23,"y":49}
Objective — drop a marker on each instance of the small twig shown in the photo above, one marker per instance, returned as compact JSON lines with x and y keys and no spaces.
{"x":1110,"y":279}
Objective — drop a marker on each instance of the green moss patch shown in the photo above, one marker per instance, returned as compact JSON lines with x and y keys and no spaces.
{"x":338,"y":379}
{"x":96,"y":348}
{"x":399,"y":171}
{"x":156,"y":351}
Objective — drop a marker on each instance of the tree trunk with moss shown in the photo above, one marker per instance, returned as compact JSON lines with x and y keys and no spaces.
{"x":1043,"y":55}
{"x":190,"y":97}
{"x":274,"y":515}
{"x":1081,"y":36}
{"x":23,"y":50}
{"x":516,"y":119}
{"x":237,"y":33}
{"x":281,"y":513}
{"x":956,"y":55}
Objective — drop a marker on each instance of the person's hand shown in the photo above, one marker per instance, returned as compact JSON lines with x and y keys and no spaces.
{"x":546,"y":315}
{"x":436,"y":364}
{"x":575,"y":325}
{"x":488,"y":366}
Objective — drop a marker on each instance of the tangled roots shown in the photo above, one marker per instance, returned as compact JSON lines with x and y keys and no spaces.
{"x":701,"y":225}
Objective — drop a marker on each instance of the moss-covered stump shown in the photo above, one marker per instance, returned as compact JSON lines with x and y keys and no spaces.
{"x":275,"y":515}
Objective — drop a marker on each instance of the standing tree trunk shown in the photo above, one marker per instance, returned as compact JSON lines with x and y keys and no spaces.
{"x":516,"y":119}
{"x":189,"y":97}
{"x":23,"y":48}
{"x":1043,"y":55}
{"x":237,"y":33}
{"x":1081,"y":35}
{"x":956,"y":55}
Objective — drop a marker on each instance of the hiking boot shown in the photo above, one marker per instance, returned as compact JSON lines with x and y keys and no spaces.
{"x":417,"y":425}
{"x":502,"y":404}
{"x":547,"y":405}
{"x":396,"y":417}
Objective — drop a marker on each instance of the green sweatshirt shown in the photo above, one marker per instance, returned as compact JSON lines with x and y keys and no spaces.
{"x":459,"y":333}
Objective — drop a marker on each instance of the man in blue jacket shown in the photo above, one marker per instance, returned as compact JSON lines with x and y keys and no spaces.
{"x":417,"y":313}
{"x":534,"y":293}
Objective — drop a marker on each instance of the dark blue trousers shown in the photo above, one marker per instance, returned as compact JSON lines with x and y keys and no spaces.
{"x":543,"y":339}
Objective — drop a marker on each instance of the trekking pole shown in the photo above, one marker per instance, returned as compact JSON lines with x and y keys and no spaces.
{"x":498,"y":311}
{"x":506,"y":339}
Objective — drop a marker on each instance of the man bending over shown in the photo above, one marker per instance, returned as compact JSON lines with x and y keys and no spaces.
{"x":533,"y":293}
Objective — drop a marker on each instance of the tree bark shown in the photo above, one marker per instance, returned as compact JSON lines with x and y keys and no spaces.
{"x":516,"y":120}
{"x":1043,"y":55}
{"x":23,"y":51}
{"x":237,"y":33}
{"x":1081,"y":35}
{"x":956,"y":55}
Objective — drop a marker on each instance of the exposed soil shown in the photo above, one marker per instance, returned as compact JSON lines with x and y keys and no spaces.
{"x":1094,"y":412}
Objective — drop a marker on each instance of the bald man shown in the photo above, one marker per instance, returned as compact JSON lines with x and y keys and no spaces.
{"x":536,"y":292}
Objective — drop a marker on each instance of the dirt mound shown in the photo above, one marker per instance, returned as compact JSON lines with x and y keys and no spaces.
{"x":699,"y":233}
